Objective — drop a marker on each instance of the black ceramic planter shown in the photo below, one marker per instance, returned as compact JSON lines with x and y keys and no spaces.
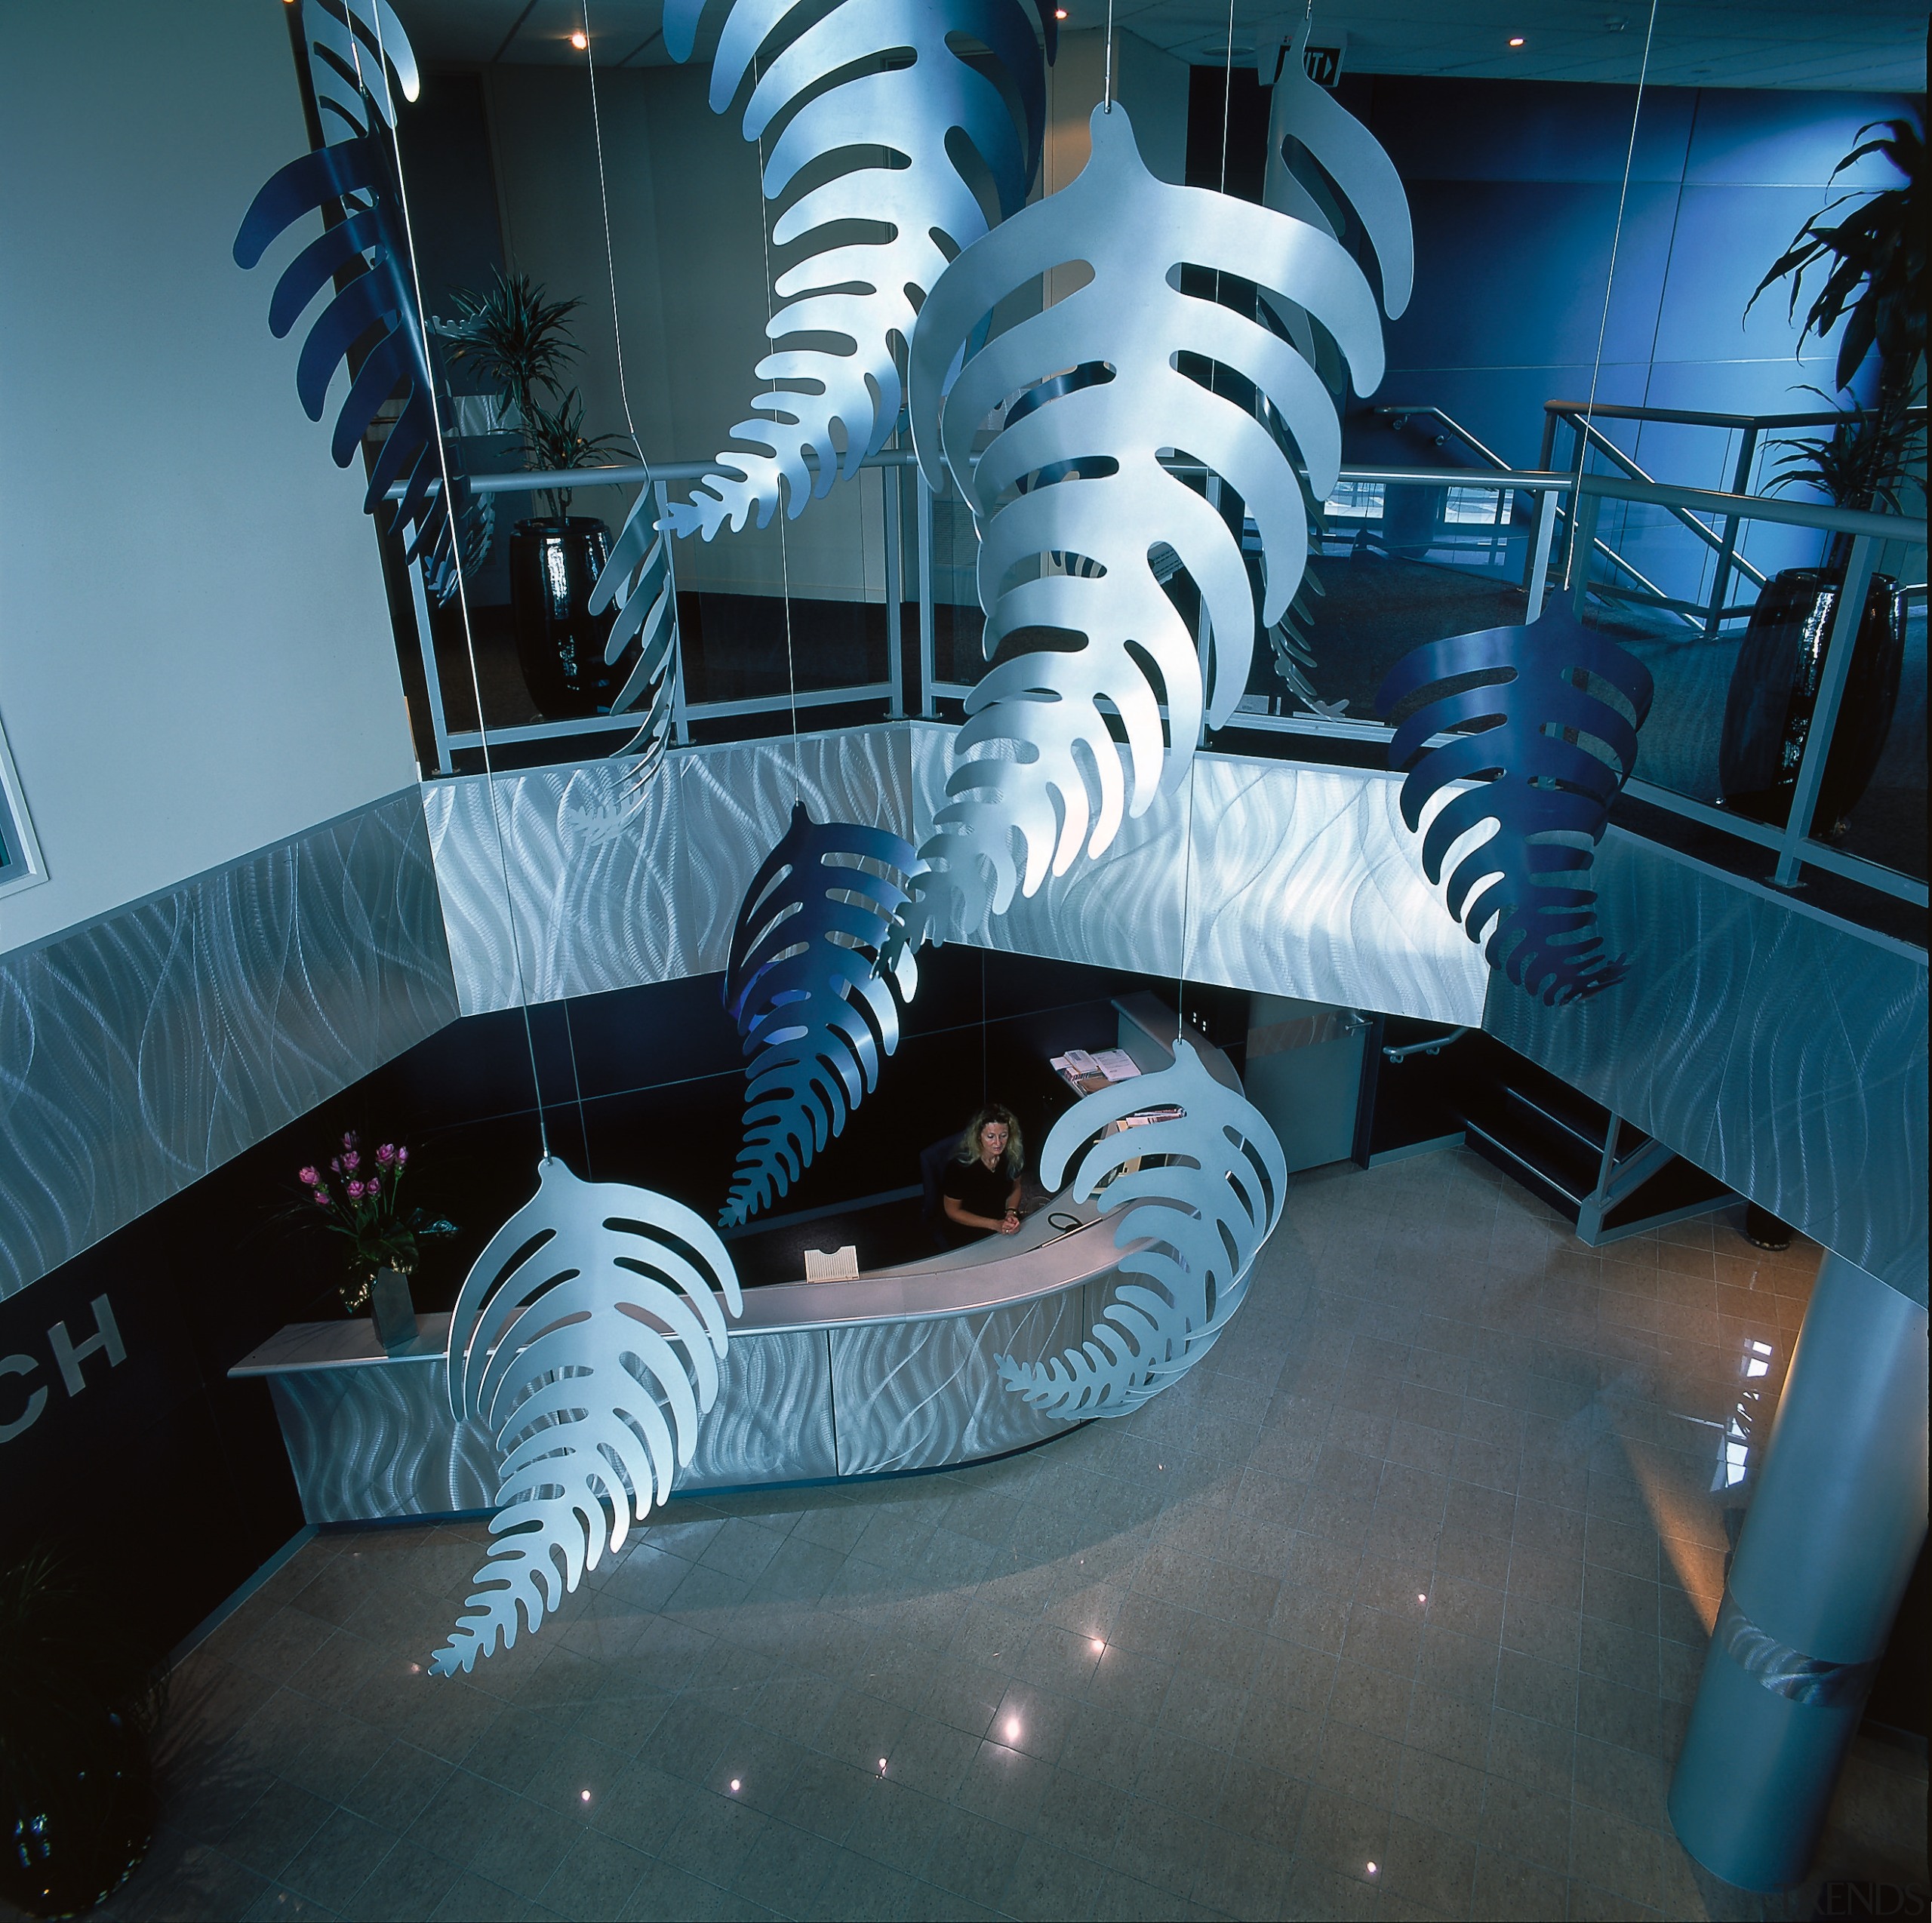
{"x":554,"y":565}
{"x":1774,"y":688}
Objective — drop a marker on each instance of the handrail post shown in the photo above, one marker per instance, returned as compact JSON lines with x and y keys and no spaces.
{"x":895,"y":669}
{"x":425,"y":635}
{"x":1747,"y":454}
{"x":1539,"y":575}
{"x":923,"y":499}
{"x":680,"y":726}
{"x":1583,"y":515}
{"x":1846,"y":622}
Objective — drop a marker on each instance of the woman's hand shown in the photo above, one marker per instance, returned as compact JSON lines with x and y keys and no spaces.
{"x":1011,"y":1224}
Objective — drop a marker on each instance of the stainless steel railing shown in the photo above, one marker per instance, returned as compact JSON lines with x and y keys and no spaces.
{"x":1576,"y":497}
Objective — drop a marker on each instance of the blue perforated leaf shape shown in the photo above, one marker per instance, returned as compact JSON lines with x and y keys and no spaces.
{"x":806,"y":986}
{"x":1081,"y":515}
{"x":1198,"y":1193}
{"x":1549,"y":753}
{"x":587,"y":1340}
{"x":355,"y":182}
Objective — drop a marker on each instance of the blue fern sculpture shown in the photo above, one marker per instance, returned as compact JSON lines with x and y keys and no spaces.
{"x":811,"y":998}
{"x":1203,"y":1193}
{"x":353,"y":183}
{"x":864,"y":74}
{"x":1548,"y":751}
{"x":1081,"y":516}
{"x":588,"y":1340}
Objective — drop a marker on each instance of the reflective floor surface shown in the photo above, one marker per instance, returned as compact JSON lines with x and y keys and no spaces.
{"x":1395,"y":1607}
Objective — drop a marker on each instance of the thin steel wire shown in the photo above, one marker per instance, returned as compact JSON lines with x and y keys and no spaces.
{"x":1581,"y":560}
{"x":610,"y":258}
{"x":1107,"y":64}
{"x":784,"y":506}
{"x":469,"y":633}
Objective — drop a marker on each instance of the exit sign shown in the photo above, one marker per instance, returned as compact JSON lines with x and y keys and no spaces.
{"x":1323,"y":64}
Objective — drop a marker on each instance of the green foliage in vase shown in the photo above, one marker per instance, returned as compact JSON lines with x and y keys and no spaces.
{"x":519,"y":341}
{"x":359,"y":1198}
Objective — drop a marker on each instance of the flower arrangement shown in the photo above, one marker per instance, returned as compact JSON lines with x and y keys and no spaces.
{"x":360,"y":1200}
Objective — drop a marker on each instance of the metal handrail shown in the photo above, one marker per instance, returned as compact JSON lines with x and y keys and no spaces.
{"x":1793,"y":845}
{"x":1692,"y":417}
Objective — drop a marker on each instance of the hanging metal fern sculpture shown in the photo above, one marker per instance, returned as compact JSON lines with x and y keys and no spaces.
{"x":807,"y":988}
{"x":1206,"y":1196}
{"x":587,"y":1340}
{"x":867,"y":75}
{"x":638,"y":580}
{"x":1549,"y":754}
{"x":354,"y":185}
{"x":1073,"y":502}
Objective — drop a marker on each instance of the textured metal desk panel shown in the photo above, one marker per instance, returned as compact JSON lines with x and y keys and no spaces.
{"x":773,"y":1421}
{"x":921,"y":1394}
{"x":366,"y":1443}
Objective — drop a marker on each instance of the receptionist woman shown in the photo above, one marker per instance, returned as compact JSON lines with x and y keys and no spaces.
{"x":980,"y":1188}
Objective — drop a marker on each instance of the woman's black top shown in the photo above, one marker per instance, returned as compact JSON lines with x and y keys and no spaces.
{"x":978,"y":1189}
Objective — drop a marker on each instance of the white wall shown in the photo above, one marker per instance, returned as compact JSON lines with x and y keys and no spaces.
{"x":195,"y":656}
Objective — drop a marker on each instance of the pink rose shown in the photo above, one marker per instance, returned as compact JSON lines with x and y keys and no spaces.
{"x":385,"y":1154}
{"x":309,"y":1178}
{"x":349,"y":1140}
{"x":375,"y":1185}
{"x":356,"y":1192}
{"x":402,"y":1156}
{"x":352,"y":1161}
{"x":336,"y":1164}
{"x":321,"y":1198}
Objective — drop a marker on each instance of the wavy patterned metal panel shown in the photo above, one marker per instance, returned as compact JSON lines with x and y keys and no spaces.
{"x":916,"y":1395}
{"x":141,"y":1049}
{"x":604,"y":899}
{"x":773,"y":1420}
{"x":380,"y":1441}
{"x":1303,"y":882}
{"x":1784,"y":1053}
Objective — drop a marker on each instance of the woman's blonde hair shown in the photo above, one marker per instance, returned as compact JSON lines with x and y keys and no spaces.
{"x":1015,"y":1158}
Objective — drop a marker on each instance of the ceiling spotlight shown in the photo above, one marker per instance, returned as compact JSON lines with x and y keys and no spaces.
{"x":734,"y":1785}
{"x":1013,"y":1728}
{"x":1099,"y":1647}
{"x":1515,"y":40}
{"x":580,"y":40}
{"x":1059,"y":13}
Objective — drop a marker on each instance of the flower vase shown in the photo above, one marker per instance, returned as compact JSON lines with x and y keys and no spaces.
{"x":392,"y":1311}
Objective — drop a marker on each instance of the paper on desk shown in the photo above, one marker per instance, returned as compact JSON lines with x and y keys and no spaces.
{"x":1116,"y":1064}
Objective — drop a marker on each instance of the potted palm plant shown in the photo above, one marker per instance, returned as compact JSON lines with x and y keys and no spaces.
{"x":518,"y":339}
{"x":1874,"y":260}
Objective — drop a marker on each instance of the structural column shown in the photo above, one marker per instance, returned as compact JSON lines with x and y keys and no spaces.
{"x":1834,"y":1529}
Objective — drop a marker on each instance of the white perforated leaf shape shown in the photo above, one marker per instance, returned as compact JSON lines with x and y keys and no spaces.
{"x":919,"y":79}
{"x":1074,"y":504}
{"x":587,"y":1340}
{"x":1196,"y":1197}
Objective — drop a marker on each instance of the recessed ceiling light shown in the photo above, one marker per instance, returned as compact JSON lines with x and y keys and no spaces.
{"x":1515,"y":40}
{"x":580,"y":40}
{"x":1059,"y":13}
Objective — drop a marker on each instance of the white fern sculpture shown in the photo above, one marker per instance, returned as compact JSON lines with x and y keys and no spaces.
{"x":867,"y":75}
{"x":1191,"y":1228}
{"x":587,"y":1340}
{"x":1075,"y":509}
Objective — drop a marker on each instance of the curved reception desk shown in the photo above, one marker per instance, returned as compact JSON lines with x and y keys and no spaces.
{"x":893,"y":1371}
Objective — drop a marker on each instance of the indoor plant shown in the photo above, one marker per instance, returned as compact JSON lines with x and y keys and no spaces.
{"x":519,"y":339}
{"x":79,"y":1709}
{"x":360,"y":1201}
{"x":1874,"y":260}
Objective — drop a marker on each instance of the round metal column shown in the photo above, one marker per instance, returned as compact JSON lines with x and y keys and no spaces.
{"x":1828,"y":1546}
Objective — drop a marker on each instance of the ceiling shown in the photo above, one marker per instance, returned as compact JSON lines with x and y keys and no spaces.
{"x":1875,"y":44}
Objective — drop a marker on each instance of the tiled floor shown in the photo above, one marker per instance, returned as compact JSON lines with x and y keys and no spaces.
{"x":1395,"y":1607}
